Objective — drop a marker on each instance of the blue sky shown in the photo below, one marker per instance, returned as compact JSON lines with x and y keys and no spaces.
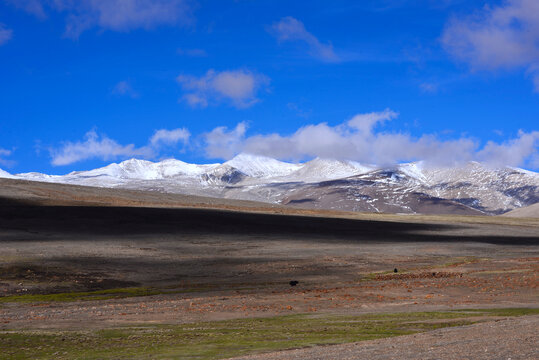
{"x":85,"y":83}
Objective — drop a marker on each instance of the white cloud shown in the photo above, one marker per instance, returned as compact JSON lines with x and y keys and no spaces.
{"x":291,"y":29}
{"x":511,"y":152}
{"x":238,"y":87}
{"x":124,"y":88}
{"x":115,"y":15}
{"x":224,"y":144}
{"x":364,"y":123}
{"x":95,"y":146}
{"x":5,"y":153}
{"x":357,"y":139}
{"x":5,"y":34}
{"x":170,"y":137}
{"x":498,"y":37}
{"x":360,"y":138}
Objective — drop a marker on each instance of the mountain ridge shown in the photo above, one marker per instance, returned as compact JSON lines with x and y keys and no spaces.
{"x":472,"y":188}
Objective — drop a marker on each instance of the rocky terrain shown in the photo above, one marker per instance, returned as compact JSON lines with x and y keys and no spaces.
{"x":469,"y":189}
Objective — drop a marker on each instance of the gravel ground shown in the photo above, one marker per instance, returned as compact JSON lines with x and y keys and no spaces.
{"x":507,"y":339}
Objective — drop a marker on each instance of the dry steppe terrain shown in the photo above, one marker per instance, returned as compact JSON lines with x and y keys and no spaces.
{"x":107,"y":273}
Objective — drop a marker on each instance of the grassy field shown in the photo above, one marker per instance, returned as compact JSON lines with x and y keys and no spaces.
{"x":116,"y":293}
{"x":82,"y":295}
{"x":222,"y":339}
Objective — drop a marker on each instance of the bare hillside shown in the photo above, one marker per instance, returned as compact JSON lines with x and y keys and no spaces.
{"x":531,"y":211}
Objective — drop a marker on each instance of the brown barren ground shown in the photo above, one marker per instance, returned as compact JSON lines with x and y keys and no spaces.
{"x":151,"y":258}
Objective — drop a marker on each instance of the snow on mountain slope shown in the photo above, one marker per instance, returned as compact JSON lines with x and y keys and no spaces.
{"x":487,"y":189}
{"x":136,"y":170}
{"x":113,"y":170}
{"x":327,"y":169}
{"x":35,"y":176}
{"x":131,"y":169}
{"x":414,"y":170}
{"x":172,"y":168}
{"x":261,"y":166}
{"x":223,"y":175}
{"x":386,"y":191}
{"x":5,"y":174}
{"x":146,"y":170}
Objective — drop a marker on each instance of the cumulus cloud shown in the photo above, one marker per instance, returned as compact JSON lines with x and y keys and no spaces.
{"x":498,"y":37}
{"x":237,"y":87}
{"x":364,"y":123}
{"x":124,"y":88}
{"x":511,"y":152}
{"x":115,"y":15}
{"x":5,"y":34}
{"x":360,"y":139}
{"x":95,"y":146}
{"x":223,"y":143}
{"x":170,"y":137}
{"x":291,"y":29}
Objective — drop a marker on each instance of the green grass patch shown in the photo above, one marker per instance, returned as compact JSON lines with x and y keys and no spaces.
{"x":501,"y":312}
{"x":107,"y":294}
{"x":85,"y":295}
{"x":222,"y":339}
{"x":463,"y":260}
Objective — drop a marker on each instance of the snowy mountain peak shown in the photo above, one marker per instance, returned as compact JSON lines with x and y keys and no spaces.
{"x":414,"y":170}
{"x":261,"y":166}
{"x":136,"y":169}
{"x":326,"y":169}
{"x":172,"y":167}
{"x":5,"y":174}
{"x":139,"y":169}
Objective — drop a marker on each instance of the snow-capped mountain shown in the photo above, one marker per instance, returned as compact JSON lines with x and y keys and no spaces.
{"x":472,"y":188}
{"x":146,"y":170}
{"x":5,"y":174}
{"x":484,"y":188}
{"x":261,"y":166}
{"x":327,"y":169}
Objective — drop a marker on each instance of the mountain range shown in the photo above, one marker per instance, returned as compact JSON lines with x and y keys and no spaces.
{"x":472,"y":188}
